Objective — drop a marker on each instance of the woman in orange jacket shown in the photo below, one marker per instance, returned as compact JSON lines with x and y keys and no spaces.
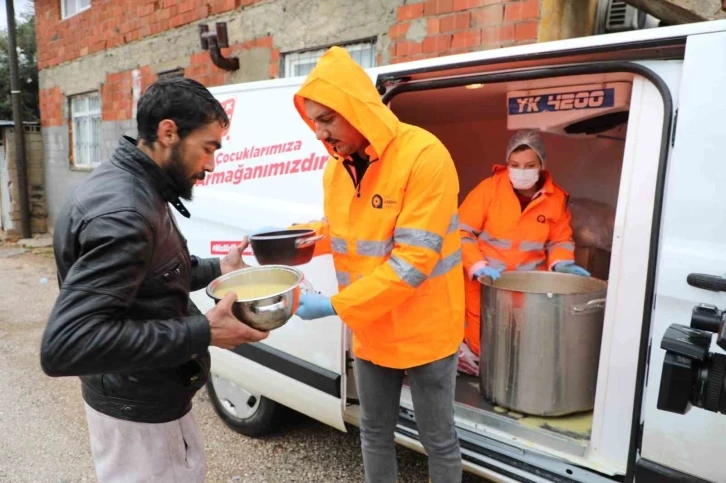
{"x":517,"y":219}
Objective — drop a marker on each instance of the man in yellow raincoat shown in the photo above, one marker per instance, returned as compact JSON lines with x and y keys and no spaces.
{"x":391,"y":195}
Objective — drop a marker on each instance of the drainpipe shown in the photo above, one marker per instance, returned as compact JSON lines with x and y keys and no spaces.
{"x":214,"y":42}
{"x":18,"y":122}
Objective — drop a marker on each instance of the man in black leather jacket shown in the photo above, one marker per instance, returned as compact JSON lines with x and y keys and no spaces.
{"x":123,"y":320}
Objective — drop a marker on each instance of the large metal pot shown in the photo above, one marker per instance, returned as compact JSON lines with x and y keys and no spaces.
{"x":269,"y":312}
{"x":540,"y":341}
{"x":287,"y":247}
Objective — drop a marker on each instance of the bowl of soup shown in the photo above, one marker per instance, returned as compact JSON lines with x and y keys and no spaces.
{"x":267,"y":296}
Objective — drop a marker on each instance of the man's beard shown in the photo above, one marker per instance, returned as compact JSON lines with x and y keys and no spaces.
{"x":175,"y":169}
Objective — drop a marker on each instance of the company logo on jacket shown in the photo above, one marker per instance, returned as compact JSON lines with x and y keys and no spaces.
{"x":378,"y":202}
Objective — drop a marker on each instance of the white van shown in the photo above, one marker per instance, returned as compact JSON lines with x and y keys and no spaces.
{"x":655,"y":152}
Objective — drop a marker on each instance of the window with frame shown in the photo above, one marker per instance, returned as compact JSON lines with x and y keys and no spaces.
{"x":70,"y":8}
{"x":301,"y":63}
{"x":168,"y":74}
{"x":86,"y":140}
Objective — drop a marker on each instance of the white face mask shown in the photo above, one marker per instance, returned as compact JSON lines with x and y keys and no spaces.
{"x":523,"y":179}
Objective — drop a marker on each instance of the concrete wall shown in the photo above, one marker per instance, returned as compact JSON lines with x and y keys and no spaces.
{"x":565,"y":19}
{"x":35,"y":171}
{"x":118,"y":48}
{"x":708,"y":9}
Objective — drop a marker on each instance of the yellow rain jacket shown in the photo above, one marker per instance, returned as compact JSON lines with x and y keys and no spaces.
{"x":395,"y":241}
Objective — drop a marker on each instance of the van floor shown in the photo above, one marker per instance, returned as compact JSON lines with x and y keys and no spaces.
{"x":565,"y":434}
{"x":570,"y":434}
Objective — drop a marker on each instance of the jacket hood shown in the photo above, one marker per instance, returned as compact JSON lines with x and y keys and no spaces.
{"x":342,"y":85}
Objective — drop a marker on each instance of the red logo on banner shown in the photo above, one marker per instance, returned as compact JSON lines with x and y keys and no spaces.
{"x":224,"y":247}
{"x":228,"y":106}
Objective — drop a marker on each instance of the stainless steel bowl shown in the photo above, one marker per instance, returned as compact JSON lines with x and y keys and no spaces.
{"x":266,"y":313}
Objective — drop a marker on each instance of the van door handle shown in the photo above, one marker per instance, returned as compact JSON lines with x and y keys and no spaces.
{"x":713,"y":283}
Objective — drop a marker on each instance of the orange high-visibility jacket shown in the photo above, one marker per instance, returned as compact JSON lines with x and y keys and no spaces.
{"x":494,"y":229}
{"x":395,"y":242}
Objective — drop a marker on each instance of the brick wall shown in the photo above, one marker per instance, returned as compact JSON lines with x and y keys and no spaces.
{"x":203,"y":70}
{"x":437,"y":27}
{"x":35,"y":171}
{"x":109,"y":24}
{"x":117,"y":98}
{"x":422,"y":29}
{"x":117,"y":93}
{"x":51,"y":106}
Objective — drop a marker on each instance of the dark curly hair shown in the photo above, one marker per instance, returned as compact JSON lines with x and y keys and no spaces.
{"x":185,"y":101}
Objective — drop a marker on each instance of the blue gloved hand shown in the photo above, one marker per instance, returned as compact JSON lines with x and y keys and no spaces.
{"x":571,"y":268}
{"x":314,"y":306}
{"x":489,"y":272}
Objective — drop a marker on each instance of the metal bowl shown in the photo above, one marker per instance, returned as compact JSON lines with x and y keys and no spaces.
{"x":270,"y":312}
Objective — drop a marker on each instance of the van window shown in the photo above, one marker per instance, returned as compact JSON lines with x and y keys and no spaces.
{"x":302,"y":62}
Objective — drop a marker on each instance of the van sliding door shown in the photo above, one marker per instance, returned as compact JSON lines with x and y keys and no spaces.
{"x":693,"y":241}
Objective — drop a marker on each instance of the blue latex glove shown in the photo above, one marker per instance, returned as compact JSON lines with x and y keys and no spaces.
{"x":314,"y":306}
{"x":489,"y":272}
{"x":571,"y":268}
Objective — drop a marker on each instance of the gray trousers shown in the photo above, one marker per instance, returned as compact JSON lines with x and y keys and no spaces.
{"x":432,"y":389}
{"x":129,"y":452}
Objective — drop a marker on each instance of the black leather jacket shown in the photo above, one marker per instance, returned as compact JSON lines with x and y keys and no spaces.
{"x":123,"y":320}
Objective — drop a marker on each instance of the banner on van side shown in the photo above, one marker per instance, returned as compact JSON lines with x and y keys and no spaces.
{"x":230,"y":171}
{"x":236,"y":162}
{"x":224,"y":247}
{"x":268,"y":171}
